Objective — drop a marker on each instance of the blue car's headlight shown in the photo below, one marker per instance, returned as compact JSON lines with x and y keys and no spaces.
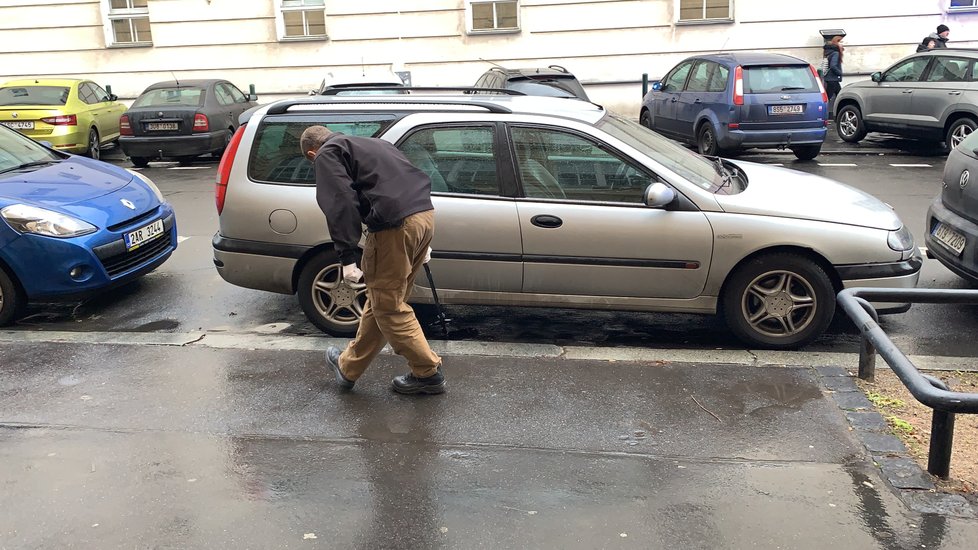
{"x":31,"y":219}
{"x":900,"y":240}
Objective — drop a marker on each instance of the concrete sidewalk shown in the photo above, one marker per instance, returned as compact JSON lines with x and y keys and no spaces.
{"x":116,"y":445}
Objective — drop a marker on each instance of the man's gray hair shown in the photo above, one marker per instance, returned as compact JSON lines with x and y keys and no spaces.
{"x":313,"y":138}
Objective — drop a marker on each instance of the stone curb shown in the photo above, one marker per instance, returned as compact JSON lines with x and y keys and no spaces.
{"x":913,"y":484}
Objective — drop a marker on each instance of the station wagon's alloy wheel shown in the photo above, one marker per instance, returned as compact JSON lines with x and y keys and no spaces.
{"x":93,"y":150}
{"x":958,"y":131}
{"x":849,"y":124}
{"x":11,"y":302}
{"x":330,"y":303}
{"x":779,"y":301}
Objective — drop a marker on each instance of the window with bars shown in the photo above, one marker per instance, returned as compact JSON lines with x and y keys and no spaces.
{"x":302,"y":19}
{"x":127,"y":22}
{"x":705,"y":10}
{"x":486,"y":16}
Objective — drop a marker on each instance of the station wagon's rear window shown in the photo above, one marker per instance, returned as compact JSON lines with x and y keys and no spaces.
{"x":774,"y":79}
{"x":34,"y":95}
{"x":169,"y":97}
{"x":275,"y":155}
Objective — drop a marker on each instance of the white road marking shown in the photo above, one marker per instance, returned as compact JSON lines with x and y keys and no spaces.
{"x":189,"y":167}
{"x":839,"y":164}
{"x":911,"y":165}
{"x":253,"y":341}
{"x":776,"y":164}
{"x":923,"y":250}
{"x":181,"y":238}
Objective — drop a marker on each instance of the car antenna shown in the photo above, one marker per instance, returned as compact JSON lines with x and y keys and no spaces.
{"x":724,"y":46}
{"x":363,"y":68}
{"x":492,"y":63}
{"x":175,"y":78}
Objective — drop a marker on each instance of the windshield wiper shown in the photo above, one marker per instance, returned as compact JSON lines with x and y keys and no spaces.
{"x":724,"y":175}
{"x":29,"y":165}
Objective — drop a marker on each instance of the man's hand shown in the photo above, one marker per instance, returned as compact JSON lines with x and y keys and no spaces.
{"x":427,"y":255}
{"x":351,"y":273}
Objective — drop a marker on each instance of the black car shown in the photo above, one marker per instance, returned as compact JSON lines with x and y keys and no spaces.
{"x":952,"y":219}
{"x":182,"y":120}
{"x":534,"y":81}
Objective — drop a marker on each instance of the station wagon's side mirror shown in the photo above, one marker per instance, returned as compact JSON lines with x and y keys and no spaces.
{"x":252,"y":97}
{"x":313,"y":92}
{"x":659,"y":195}
{"x":877,"y":76}
{"x":657,"y":86}
{"x":113,"y":97}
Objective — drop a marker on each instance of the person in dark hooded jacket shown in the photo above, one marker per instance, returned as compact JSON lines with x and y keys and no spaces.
{"x":939,"y":38}
{"x":832,"y":51}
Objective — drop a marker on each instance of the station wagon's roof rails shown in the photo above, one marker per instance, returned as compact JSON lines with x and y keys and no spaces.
{"x":283,"y":106}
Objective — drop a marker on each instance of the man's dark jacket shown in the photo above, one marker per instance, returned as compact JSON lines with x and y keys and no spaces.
{"x":368,"y":181}
{"x":939,"y":42}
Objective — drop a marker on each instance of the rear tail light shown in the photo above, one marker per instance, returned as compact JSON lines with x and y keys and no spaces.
{"x":200,"y":123}
{"x":733,"y":125}
{"x":738,"y":86}
{"x":224,"y":169}
{"x":61,"y":120}
{"x":821,"y":87}
{"x":124,"y":127}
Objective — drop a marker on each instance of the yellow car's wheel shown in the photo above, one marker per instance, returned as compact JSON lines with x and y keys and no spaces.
{"x":93,"y":150}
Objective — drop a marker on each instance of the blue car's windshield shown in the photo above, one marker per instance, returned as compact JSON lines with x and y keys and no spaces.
{"x":17,"y":151}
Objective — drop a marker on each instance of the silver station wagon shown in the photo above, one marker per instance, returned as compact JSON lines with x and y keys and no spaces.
{"x":558,"y":203}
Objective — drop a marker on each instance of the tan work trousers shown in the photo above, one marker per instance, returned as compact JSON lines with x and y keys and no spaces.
{"x":391,"y":260}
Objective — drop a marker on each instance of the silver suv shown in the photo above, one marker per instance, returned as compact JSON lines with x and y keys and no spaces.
{"x":548,"y":202}
{"x":930,"y":95}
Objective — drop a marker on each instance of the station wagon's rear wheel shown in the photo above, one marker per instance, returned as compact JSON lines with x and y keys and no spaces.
{"x":11,"y":300}
{"x":779,"y":300}
{"x":958,"y":131}
{"x":139,"y":162}
{"x":329,"y":302}
{"x":849,"y":124}
{"x":706,"y":141}
{"x":94,"y":149}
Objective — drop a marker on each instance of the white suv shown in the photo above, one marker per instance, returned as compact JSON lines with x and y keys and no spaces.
{"x":548,"y":202}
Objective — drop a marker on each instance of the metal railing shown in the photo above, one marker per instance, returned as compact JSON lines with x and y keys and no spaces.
{"x":926,"y":389}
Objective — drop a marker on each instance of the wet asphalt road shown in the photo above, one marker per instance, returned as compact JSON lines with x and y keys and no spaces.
{"x":126,"y":446}
{"x":186,"y":294}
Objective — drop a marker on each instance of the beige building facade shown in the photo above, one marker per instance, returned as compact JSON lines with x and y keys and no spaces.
{"x":287,"y":47}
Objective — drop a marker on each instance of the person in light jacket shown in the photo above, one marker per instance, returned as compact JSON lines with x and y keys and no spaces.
{"x":832,"y":51}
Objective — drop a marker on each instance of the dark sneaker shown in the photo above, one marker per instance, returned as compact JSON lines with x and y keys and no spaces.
{"x":333,"y":362}
{"x":411,"y":384}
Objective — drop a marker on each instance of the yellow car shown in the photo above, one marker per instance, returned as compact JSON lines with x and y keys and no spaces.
{"x":76,"y":116}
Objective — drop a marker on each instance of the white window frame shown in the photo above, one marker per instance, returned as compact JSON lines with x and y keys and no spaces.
{"x":281,"y":9}
{"x":109,"y":15}
{"x":508,"y":30}
{"x":729,"y":18}
{"x":959,"y":9}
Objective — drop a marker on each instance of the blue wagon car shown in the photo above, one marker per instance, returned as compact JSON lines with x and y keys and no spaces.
{"x":727,"y":102}
{"x":72,"y":226}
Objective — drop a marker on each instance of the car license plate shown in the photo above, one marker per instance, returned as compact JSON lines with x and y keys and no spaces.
{"x":785,"y":109}
{"x":144,"y":234}
{"x":949,"y":238}
{"x":19,"y":124}
{"x":162,"y":126}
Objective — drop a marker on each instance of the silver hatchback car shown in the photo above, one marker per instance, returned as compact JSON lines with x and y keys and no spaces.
{"x":930,"y":95}
{"x":550,"y":202}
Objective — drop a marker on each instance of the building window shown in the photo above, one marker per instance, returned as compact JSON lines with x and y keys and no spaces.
{"x":127,"y":22}
{"x":705,"y":10}
{"x":489,"y":16}
{"x":302,"y":20}
{"x":964,"y":5}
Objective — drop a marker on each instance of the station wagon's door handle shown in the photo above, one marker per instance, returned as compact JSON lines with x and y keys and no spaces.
{"x":546,"y":221}
{"x":697,"y":101}
{"x":673,"y":100}
{"x":908,"y":91}
{"x":954,"y":93}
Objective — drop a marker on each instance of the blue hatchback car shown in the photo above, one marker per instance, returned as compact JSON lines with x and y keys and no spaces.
{"x":733,"y":101}
{"x":72,"y":226}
